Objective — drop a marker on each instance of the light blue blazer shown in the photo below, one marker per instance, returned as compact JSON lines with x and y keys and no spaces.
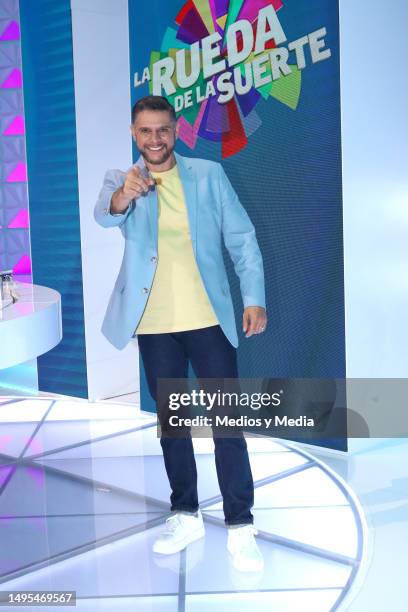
{"x":214,"y":214}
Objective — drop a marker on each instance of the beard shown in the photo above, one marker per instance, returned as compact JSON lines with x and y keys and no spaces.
{"x":157,"y":161}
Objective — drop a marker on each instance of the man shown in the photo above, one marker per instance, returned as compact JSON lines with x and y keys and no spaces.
{"x":172,"y":292}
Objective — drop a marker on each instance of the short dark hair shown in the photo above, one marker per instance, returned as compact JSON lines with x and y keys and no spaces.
{"x":154,"y":103}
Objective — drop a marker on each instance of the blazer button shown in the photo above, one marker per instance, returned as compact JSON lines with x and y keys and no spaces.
{"x":145,"y":290}
{"x":153,"y":259}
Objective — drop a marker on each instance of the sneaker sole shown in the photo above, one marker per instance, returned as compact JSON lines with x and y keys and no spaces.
{"x":197,"y":535}
{"x":255,"y":568}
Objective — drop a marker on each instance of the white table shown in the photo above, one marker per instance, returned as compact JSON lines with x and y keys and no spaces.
{"x":31,"y":326}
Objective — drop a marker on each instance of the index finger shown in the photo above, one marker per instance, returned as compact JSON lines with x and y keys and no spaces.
{"x":145,"y":175}
{"x":136,"y":170}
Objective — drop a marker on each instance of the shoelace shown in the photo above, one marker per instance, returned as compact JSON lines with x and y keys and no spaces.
{"x":245,"y":535}
{"x":172,"y":523}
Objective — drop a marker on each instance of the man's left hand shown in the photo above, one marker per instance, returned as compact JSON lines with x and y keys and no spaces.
{"x":254,"y":320}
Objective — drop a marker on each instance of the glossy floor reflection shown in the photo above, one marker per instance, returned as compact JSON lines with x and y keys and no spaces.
{"x":83,"y":493}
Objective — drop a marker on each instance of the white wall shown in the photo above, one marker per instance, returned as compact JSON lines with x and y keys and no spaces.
{"x":102,"y":98}
{"x":375,"y":181}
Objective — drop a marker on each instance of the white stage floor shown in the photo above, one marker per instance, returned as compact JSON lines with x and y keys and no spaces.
{"x":83,"y":493}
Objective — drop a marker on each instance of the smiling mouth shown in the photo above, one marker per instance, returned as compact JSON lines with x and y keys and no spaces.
{"x":155,"y":148}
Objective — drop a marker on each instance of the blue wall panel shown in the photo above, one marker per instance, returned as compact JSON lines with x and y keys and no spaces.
{"x":49,"y":101}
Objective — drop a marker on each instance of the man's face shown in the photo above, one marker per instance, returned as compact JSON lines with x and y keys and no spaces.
{"x":155,"y":135}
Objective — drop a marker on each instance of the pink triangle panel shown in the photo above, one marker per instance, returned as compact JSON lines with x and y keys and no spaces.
{"x":20,"y":220}
{"x":23,"y":266}
{"x":13,"y":81}
{"x":18,"y":174}
{"x":16,"y":127}
{"x":11,"y":31}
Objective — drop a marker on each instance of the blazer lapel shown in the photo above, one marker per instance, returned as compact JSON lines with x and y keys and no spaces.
{"x":190,"y":195}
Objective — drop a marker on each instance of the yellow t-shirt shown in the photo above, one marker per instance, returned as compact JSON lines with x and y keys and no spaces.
{"x":178,"y":300}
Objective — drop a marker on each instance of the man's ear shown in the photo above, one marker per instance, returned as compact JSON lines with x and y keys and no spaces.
{"x":177,"y":128}
{"x":132,"y":131}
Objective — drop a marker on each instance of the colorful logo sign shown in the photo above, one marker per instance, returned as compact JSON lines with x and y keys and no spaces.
{"x":221,"y":60}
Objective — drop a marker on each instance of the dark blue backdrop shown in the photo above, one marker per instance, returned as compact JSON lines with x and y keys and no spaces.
{"x":289,"y":180}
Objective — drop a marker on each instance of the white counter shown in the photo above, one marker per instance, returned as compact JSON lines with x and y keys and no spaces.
{"x":31,"y":326}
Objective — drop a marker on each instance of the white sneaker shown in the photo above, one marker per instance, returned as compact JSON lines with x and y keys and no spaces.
{"x":246,"y":556}
{"x":180,"y":530}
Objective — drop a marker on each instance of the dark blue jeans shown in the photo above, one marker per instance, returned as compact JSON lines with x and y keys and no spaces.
{"x":211,"y":356}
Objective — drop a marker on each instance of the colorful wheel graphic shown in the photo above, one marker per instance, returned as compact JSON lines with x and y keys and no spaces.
{"x":233,"y":122}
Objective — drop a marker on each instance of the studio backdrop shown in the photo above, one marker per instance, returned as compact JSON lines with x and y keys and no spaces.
{"x":256,"y":86}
